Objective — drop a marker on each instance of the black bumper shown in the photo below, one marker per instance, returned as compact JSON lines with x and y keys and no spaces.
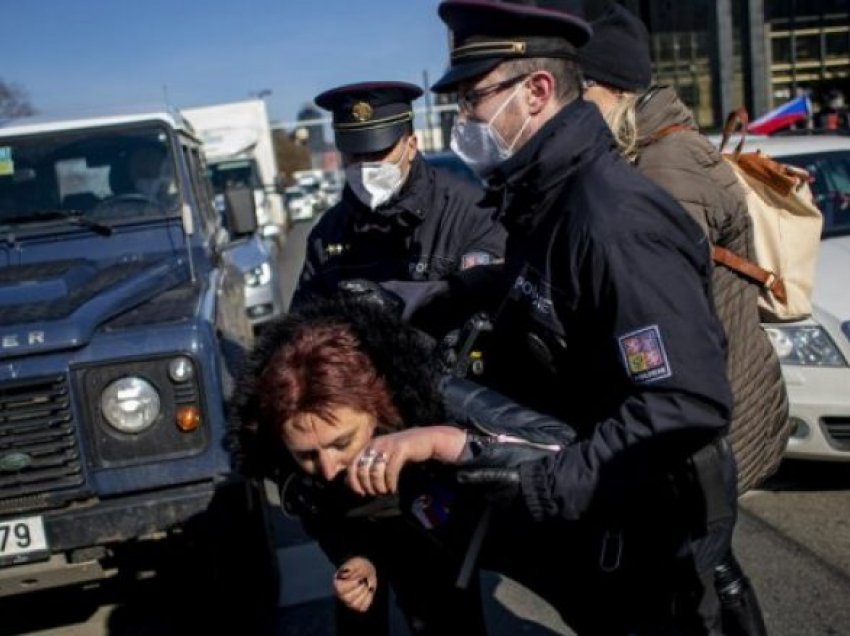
{"x":120,"y":519}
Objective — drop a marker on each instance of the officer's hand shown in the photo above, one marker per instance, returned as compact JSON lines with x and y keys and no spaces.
{"x":355,"y":583}
{"x":371,"y":293}
{"x":375,"y":470}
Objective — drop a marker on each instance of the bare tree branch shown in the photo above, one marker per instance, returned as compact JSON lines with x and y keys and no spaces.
{"x":14,"y":102}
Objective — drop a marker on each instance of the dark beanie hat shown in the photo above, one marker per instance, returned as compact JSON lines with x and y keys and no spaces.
{"x":617,"y":53}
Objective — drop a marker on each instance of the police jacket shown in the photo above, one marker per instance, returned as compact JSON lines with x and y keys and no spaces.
{"x":608,"y":324}
{"x":435,"y":226}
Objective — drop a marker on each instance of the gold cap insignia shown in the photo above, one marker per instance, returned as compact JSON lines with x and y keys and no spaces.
{"x":362,"y":111}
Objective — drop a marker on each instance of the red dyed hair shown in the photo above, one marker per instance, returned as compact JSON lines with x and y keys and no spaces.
{"x":320,"y":368}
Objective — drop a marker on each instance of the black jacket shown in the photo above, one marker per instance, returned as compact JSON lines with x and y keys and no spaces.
{"x":434,"y":227}
{"x":607,"y":324}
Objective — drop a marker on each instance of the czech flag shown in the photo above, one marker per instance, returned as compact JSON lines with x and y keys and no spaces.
{"x":798,"y":109}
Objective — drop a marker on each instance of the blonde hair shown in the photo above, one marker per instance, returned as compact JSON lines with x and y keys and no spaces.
{"x":622,"y":120}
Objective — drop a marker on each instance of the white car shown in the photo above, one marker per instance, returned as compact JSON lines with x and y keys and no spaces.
{"x":815,"y":353}
{"x":299,"y":204}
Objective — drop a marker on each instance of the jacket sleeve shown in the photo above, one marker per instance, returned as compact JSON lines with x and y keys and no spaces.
{"x":480,"y":231}
{"x":310,"y":282}
{"x":655,"y":333}
{"x":503,"y":434}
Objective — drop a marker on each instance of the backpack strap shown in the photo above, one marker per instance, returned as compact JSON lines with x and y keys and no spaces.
{"x":767,"y":279}
{"x":737,"y":118}
{"x":660,"y":134}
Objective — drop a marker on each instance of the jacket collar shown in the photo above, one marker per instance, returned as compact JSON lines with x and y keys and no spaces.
{"x":658,"y":109}
{"x":575,"y":135}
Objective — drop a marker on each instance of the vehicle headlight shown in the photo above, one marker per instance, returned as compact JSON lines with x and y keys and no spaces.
{"x":130,"y":405}
{"x":259,"y":276}
{"x":808,"y":346}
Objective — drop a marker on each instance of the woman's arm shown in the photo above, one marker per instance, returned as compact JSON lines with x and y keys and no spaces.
{"x":492,"y":436}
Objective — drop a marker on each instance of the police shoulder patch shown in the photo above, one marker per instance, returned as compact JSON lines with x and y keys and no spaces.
{"x":475,"y":258}
{"x":644,"y":355}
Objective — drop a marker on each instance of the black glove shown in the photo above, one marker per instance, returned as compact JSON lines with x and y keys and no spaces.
{"x":371,"y":293}
{"x":415,"y":294}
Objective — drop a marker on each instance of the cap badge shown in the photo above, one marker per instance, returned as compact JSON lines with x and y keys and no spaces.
{"x":362,"y":111}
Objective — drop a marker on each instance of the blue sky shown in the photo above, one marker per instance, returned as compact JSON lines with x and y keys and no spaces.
{"x":76,"y":56}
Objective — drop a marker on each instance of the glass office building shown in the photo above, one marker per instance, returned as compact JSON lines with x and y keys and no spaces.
{"x":721,"y":54}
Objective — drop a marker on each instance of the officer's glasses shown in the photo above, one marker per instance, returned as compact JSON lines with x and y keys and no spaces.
{"x":468,"y":101}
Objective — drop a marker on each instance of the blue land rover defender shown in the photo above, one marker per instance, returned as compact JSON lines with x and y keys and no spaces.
{"x":121,"y":323}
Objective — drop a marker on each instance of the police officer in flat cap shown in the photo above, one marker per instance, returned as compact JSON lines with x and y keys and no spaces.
{"x":400,"y":219}
{"x":608,"y":325}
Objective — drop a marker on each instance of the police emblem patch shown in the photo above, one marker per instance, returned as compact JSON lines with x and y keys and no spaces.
{"x":362,"y":111}
{"x":644,"y":355}
{"x":475,"y":258}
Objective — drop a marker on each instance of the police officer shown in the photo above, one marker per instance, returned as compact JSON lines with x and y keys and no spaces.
{"x":400,"y":222}
{"x":399,"y":219}
{"x":607,"y":325}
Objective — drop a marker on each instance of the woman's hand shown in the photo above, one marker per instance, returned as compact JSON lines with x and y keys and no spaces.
{"x":355,"y":583}
{"x":375,"y":470}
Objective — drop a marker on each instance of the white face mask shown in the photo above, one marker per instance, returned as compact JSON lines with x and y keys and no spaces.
{"x":480,"y":145}
{"x":376,"y":182}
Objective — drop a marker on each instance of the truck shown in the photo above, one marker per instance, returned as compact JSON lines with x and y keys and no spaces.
{"x":238,"y":143}
{"x":240,"y":154}
{"x":122,"y":326}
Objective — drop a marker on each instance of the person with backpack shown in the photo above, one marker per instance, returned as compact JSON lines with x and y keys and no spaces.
{"x":658,"y":133}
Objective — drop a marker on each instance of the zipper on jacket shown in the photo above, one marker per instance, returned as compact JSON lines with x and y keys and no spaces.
{"x":502,"y":438}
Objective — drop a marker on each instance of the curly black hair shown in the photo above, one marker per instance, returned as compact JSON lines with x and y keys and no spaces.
{"x":402,"y":355}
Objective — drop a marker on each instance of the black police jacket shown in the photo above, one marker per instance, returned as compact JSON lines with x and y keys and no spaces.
{"x":608,"y":323}
{"x":434,"y":227}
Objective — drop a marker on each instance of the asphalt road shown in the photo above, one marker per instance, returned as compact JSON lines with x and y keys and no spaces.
{"x":793,"y":538}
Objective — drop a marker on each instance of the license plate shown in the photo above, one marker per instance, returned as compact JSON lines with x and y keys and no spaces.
{"x":22,"y":540}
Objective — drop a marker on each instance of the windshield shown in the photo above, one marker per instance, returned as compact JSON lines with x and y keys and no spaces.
{"x":233,"y":174}
{"x":107,"y":176}
{"x":831,"y":186}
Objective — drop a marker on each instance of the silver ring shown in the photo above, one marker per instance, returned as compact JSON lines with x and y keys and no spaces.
{"x":379,"y":461}
{"x":367,"y":457}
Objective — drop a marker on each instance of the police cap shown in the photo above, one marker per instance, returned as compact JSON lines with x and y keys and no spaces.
{"x":371,"y":116}
{"x":489,"y":32}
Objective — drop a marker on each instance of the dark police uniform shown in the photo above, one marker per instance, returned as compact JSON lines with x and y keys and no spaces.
{"x":607,"y":325}
{"x":433,"y":227}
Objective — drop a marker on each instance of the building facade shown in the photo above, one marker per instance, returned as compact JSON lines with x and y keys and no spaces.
{"x":721,"y":54}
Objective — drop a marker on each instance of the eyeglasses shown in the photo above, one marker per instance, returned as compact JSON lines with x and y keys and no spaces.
{"x":468,"y":101}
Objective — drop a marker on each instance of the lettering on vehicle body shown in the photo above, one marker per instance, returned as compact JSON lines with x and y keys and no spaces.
{"x":12,"y":340}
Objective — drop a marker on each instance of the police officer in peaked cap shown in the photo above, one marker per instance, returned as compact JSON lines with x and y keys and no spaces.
{"x":408,"y":226}
{"x":400,"y":221}
{"x":608,"y":325}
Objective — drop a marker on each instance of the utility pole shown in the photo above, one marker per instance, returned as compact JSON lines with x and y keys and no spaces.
{"x":757,"y":56}
{"x":429,"y":125}
{"x":722,"y":73}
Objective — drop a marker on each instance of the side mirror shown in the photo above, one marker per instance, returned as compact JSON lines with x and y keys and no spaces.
{"x":240,"y":211}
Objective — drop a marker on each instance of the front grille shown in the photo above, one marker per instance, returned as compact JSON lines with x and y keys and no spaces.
{"x":838,"y":431}
{"x":39,"y":455}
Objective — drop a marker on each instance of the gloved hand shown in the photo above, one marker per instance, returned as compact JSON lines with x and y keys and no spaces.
{"x":415,"y":294}
{"x":498,"y":486}
{"x":372,"y":293}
